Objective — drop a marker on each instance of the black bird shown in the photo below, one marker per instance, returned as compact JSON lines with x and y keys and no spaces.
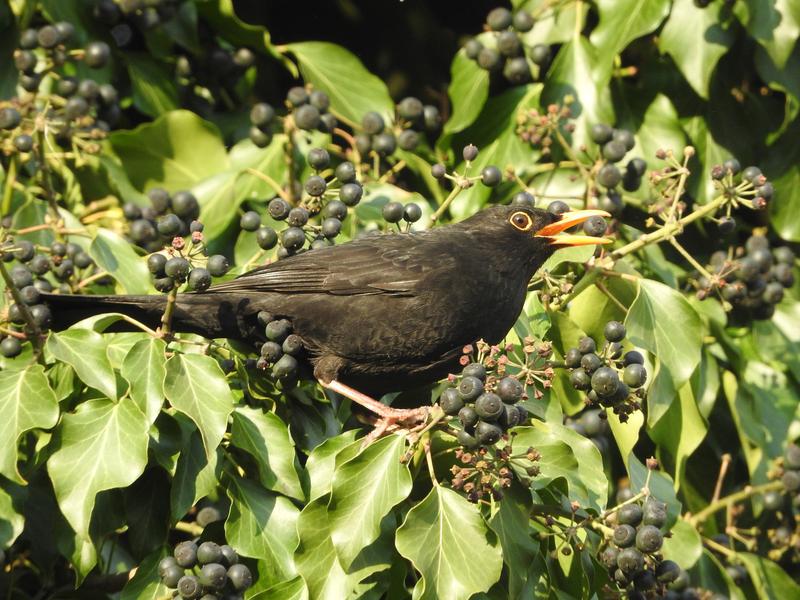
{"x":380,"y":313}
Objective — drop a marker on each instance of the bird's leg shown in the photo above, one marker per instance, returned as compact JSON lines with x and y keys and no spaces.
{"x":390,"y":417}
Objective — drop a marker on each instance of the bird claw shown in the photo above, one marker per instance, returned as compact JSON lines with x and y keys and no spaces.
{"x":408,"y":421}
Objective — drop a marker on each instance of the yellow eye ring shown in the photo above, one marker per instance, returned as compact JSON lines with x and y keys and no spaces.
{"x":521,"y":220}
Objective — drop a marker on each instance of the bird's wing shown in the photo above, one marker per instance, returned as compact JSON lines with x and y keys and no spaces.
{"x":387,"y":264}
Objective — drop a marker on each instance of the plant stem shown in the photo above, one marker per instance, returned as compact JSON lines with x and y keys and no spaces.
{"x":8,"y":187}
{"x":447,"y":201}
{"x":669,"y":229}
{"x":269,"y":181}
{"x":166,"y":319}
{"x":732,"y":499}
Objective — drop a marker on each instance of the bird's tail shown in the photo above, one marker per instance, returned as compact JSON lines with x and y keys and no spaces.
{"x":212,"y":316}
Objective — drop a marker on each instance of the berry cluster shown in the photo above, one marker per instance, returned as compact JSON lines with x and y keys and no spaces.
{"x":487,"y":398}
{"x":505,"y":50}
{"x":181,"y":263}
{"x":309,"y":110}
{"x":170,"y":216}
{"x":37,"y":270}
{"x":607,"y":376}
{"x":207,"y":570}
{"x":614,"y":145}
{"x":125,"y":17}
{"x":483,"y":474}
{"x":748,"y":187}
{"x":281,"y":351}
{"x":632,"y":552}
{"x":539,"y":129}
{"x":752,"y":279}
{"x":490,"y":176}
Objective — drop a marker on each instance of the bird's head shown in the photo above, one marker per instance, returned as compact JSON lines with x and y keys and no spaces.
{"x":533,"y":230}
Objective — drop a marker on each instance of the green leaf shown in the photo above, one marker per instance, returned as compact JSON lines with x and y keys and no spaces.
{"x":318,"y":564}
{"x":441,"y":536}
{"x":85,"y":352}
{"x":684,"y":546}
{"x":262,"y":525}
{"x":12,"y":521}
{"x":468,"y":91}
{"x":769,"y":580}
{"x":364,"y":490}
{"x":115,"y":255}
{"x":555,"y":23}
{"x":196,"y":386}
{"x":175,"y":151}
{"x":144,"y":368}
{"x":680,"y":431}
{"x":195,"y":476}
{"x":266,"y":438}
{"x":621,"y":22}
{"x":334,"y":70}
{"x":663,"y":322}
{"x":783,"y":212}
{"x":26,"y":402}
{"x":576,"y":72}
{"x":101,"y":446}
{"x":294,"y":589}
{"x":695,"y":40}
{"x":146,"y":583}
{"x":154,"y":91}
{"x":322,"y":461}
{"x":512,"y":526}
{"x":219,"y":196}
{"x":775,"y":24}
{"x":565,"y":455}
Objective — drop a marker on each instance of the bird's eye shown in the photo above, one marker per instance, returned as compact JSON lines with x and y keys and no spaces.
{"x":522,"y":221}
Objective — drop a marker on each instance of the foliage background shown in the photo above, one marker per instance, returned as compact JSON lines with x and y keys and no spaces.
{"x":98,"y":474}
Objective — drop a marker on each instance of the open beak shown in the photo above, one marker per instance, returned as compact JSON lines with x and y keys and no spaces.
{"x":570,"y":219}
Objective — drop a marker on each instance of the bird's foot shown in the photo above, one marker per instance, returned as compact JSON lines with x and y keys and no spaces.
{"x":394,"y":420}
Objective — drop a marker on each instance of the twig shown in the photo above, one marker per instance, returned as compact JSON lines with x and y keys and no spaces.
{"x":732,"y":499}
{"x":723,"y":469}
{"x":447,"y":201}
{"x":166,"y":319}
{"x":269,"y":181}
{"x":429,"y":460}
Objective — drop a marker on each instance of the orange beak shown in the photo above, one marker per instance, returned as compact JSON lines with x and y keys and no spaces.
{"x":570,"y":219}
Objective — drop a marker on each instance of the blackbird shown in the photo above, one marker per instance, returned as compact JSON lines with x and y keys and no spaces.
{"x":380,"y":313}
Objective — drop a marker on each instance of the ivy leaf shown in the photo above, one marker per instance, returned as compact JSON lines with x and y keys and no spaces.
{"x":555,"y":25}
{"x":196,"y":386}
{"x":101,"y":446}
{"x":154,"y":91}
{"x":146,"y":583}
{"x":468,"y":91}
{"x":621,"y":22}
{"x":262,"y":524}
{"x":784,"y":212}
{"x":12,"y":522}
{"x":294,"y":589}
{"x":318,"y":564}
{"x":322,"y":461}
{"x":775,"y":24}
{"x":333,"y":70}
{"x":441,"y":536}
{"x":695,"y":40}
{"x":116,"y":256}
{"x":144,"y":368}
{"x":511,"y":524}
{"x":565,"y":454}
{"x":663,"y":322}
{"x":175,"y":151}
{"x":769,"y":580}
{"x":85,"y":352}
{"x":365,"y":488}
{"x":195,"y":476}
{"x":575,"y":72}
{"x":266,"y":438}
{"x":684,"y":546}
{"x":26,"y":402}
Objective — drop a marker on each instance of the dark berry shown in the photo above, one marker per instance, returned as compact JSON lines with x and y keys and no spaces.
{"x":286,"y":366}
{"x":318,"y":158}
{"x":791,"y":480}
{"x":278,"y":330}
{"x":540,"y":54}
{"x":624,"y":535}
{"x":384,"y":143}
{"x":466,"y":439}
{"x":297,"y":217}
{"x":601,"y":133}
{"x":169,"y":225}
{"x":372,"y":123}
{"x":96,"y":54}
{"x":433,"y":118}
{"x":408,"y":139}
{"x":490,"y":59}
{"x":508,"y":43}
{"x":266,"y":238}
{"x":315,"y":185}
{"x":773,"y":500}
{"x":580,"y":379}
{"x":189,"y":586}
{"x":278,"y":209}
{"x":208,"y":552}
{"x":630,"y":561}
{"x":172,"y":575}
{"x":649,"y":539}
{"x":791,"y":457}
{"x":522,"y":21}
{"x":335,"y":209}
{"x":655,"y":513}
{"x":572,"y":359}
{"x":517,"y":71}
{"x":470,"y":388}
{"x":306,"y":117}
{"x":487,"y":433}
{"x":472,"y":48}
{"x":392,"y":212}
{"x":605,"y":381}
{"x":633,"y":357}
{"x":186,"y":554}
{"x":160,"y":199}
{"x":630,"y":514}
{"x":331,"y":227}
{"x":185,"y":205}
{"x":438,"y":171}
{"x":261,"y":114}
{"x":499,"y":19}
{"x":177,"y":267}
{"x":199,"y":279}
{"x":667,"y":571}
{"x":634,"y":375}
{"x":614,"y":151}
{"x":350,"y":193}
{"x":250,"y":221}
{"x":410,"y":108}
{"x":595,"y":226}
{"x":345,"y":172}
{"x":272,"y":351}
{"x":475,"y":370}
{"x":451,"y":402}
{"x":412,"y":212}
{"x":164,"y":284}
{"x":591,"y":362}
{"x":10,"y":347}
{"x":491,"y":176}
{"x":293,"y":238}
{"x":213,"y":575}
{"x":510,"y":390}
{"x":293,"y":345}
{"x":468,"y":417}
{"x":297,"y":96}
{"x":217,"y":265}
{"x":48,"y":37}
{"x":625,"y":137}
{"x":489,"y":406}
